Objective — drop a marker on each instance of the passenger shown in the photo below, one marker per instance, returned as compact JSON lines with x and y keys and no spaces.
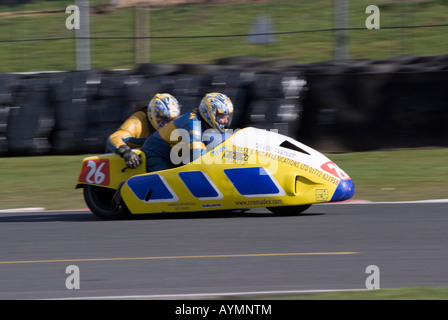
{"x":214,"y":112}
{"x":162,"y":109}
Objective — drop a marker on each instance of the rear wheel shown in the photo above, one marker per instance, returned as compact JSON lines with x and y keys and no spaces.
{"x":100,"y":202}
{"x":289,"y":210}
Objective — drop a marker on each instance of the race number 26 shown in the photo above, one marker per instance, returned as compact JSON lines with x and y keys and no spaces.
{"x":95,"y":172}
{"x":332,"y":168}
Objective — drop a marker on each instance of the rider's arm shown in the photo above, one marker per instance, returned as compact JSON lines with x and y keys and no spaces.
{"x":133,"y":130}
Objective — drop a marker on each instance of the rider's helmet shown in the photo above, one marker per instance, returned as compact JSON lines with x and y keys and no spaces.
{"x":217,"y":110}
{"x":162,"y":109}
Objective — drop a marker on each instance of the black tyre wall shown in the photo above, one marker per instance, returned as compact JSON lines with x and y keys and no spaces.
{"x":351,"y":106}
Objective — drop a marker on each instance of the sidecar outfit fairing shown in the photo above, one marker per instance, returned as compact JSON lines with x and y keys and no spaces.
{"x":251,"y":169}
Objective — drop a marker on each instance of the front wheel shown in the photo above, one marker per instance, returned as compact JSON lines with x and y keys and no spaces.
{"x":289,"y":210}
{"x":100,"y":202}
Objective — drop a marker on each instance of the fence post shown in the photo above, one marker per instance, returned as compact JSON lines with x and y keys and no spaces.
{"x":341,"y":34}
{"x":142,"y":43}
{"x":83,"y":36}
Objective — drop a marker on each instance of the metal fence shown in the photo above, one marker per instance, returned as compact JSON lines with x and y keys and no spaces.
{"x":299,"y":31}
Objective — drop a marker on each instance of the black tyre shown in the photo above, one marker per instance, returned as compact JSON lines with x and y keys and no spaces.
{"x":289,"y":210}
{"x":99,"y":201}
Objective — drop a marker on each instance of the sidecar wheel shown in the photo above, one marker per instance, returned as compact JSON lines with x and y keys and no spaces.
{"x":289,"y":210}
{"x":99,"y":201}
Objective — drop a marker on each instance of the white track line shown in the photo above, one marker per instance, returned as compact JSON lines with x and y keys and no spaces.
{"x":23,"y":209}
{"x":210,"y":295}
{"x":40,"y":209}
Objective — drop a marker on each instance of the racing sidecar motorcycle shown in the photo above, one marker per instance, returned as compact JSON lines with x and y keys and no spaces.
{"x":252,"y":168}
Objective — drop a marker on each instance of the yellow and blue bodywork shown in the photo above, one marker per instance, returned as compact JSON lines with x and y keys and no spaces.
{"x":253,"y":168}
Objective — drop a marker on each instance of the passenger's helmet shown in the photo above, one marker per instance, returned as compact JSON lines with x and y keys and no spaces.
{"x":162,"y":109}
{"x":217,"y":110}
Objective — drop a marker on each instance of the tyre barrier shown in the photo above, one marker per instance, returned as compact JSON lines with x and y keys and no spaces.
{"x":376,"y":104}
{"x":334,"y":106}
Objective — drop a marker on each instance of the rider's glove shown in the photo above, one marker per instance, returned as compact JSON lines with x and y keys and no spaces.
{"x":131,"y":159}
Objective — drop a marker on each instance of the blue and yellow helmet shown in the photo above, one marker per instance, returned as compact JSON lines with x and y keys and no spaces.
{"x":162,"y":109}
{"x":217,"y":110}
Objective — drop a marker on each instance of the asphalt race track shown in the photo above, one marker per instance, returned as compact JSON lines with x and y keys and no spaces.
{"x":329,"y":247}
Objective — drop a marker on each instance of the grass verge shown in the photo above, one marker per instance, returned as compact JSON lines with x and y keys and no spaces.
{"x":409,"y":293}
{"x":168,"y":25}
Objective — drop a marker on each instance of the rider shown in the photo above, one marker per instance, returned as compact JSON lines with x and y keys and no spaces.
{"x":162,"y":109}
{"x":214,"y":112}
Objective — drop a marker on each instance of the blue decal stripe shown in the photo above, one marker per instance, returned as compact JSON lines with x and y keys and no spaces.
{"x":199,"y":185}
{"x":151,"y":188}
{"x":255,"y":181}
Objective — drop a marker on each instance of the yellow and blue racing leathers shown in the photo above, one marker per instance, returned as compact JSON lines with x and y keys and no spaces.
{"x":133,"y":132}
{"x":158,"y":147}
